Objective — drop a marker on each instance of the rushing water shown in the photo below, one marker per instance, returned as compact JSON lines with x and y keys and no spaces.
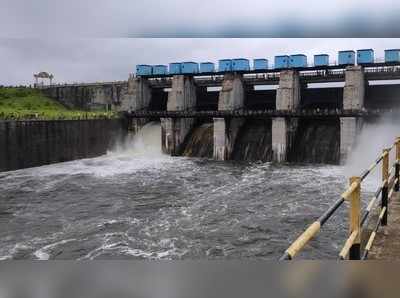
{"x":200,"y":142}
{"x":316,"y":141}
{"x":254,"y":141}
{"x":137,"y":203}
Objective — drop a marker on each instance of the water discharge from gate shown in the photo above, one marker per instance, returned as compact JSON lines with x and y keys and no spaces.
{"x":146,"y":143}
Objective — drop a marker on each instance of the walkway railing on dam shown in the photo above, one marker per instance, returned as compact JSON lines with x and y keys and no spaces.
{"x":272,"y":78}
{"x":332,"y":73}
{"x":352,"y":247}
{"x":261,"y":113}
{"x":77,"y":84}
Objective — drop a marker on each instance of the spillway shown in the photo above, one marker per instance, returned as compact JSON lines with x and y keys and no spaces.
{"x":316,"y":141}
{"x":200,"y":142}
{"x":253,"y":142}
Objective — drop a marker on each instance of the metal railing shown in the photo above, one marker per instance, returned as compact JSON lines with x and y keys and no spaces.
{"x":300,"y":113}
{"x":352,"y":247}
{"x":78,"y":84}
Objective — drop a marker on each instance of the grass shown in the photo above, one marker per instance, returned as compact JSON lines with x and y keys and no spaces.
{"x":27,"y":103}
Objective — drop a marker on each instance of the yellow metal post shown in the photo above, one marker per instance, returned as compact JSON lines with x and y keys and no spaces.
{"x":398,"y":149}
{"x":397,"y":166}
{"x":385,"y":166}
{"x":385,"y":184}
{"x":355,"y":218}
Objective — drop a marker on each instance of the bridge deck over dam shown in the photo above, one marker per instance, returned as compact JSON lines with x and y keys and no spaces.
{"x":264,"y":113}
{"x":308,"y":76}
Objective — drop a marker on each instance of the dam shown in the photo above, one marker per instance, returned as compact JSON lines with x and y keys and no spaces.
{"x":290,"y":107}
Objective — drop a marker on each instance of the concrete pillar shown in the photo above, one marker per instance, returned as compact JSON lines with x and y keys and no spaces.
{"x":349,"y":129}
{"x":225,"y":133}
{"x":182,"y":97}
{"x":231,"y":97}
{"x":137,"y":97}
{"x":353,"y":99}
{"x":354,"y":88}
{"x":283,"y":130}
{"x":288,"y":93}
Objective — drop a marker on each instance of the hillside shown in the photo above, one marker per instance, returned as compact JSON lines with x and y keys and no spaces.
{"x":26,"y":103}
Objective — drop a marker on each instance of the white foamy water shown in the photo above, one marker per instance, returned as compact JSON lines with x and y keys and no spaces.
{"x":373,"y":139}
{"x":146,"y":143}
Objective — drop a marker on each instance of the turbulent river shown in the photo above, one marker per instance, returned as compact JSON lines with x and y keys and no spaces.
{"x":136,"y":203}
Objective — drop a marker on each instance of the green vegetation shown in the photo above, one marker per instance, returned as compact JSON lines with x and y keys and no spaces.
{"x":26,"y":103}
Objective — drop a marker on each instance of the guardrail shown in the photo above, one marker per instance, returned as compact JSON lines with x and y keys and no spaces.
{"x":261,"y":113}
{"x":77,"y":84}
{"x":352,"y":247}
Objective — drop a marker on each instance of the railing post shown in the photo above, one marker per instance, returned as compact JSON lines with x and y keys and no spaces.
{"x":397,"y":176}
{"x":385,"y":185}
{"x":397,"y":166}
{"x":355,"y":219}
{"x":398,"y":149}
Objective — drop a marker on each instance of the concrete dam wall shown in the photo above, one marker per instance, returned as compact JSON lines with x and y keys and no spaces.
{"x":33,"y":143}
{"x":280,"y":138}
{"x":90,"y":96}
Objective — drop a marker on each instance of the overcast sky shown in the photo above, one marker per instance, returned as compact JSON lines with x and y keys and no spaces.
{"x":99,"y":40}
{"x":109,"y":59}
{"x":190,"y":18}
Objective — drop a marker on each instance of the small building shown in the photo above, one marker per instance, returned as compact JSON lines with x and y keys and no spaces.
{"x":225,"y":65}
{"x":260,"y":64}
{"x":365,"y":56}
{"x":190,"y":67}
{"x":175,"y":68}
{"x":160,"y":70}
{"x":392,"y":55}
{"x":144,"y":70}
{"x":281,"y":62}
{"x":240,"y":64}
{"x":207,"y":67}
{"x":321,"y":60}
{"x":347,"y":57}
{"x":298,"y":60}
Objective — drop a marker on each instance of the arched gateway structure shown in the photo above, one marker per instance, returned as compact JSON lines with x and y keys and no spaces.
{"x":42,"y":75}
